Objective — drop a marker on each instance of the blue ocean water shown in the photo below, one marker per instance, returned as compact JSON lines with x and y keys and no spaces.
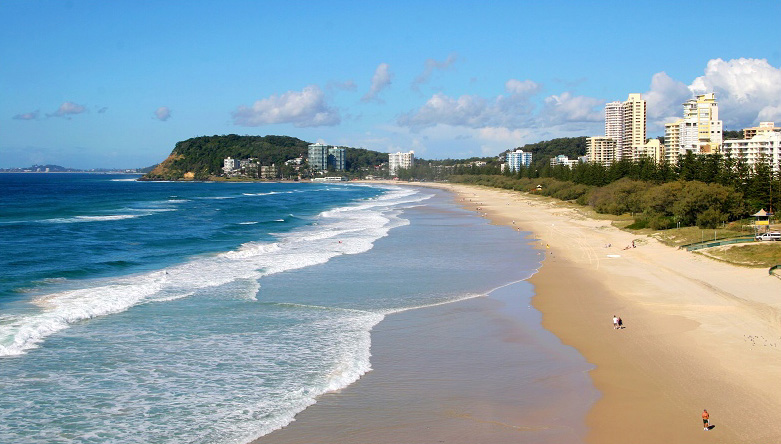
{"x":152,"y":312}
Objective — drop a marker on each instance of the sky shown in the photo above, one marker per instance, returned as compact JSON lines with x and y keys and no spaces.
{"x":115,"y":84}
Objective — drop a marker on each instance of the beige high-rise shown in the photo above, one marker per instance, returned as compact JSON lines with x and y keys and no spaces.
{"x":635,"y":116}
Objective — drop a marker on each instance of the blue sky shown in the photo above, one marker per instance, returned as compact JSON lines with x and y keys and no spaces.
{"x":116,"y":84}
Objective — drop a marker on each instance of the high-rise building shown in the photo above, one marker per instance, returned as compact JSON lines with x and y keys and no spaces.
{"x":634,"y":126}
{"x":699,"y":131}
{"x":518,"y":158}
{"x":614,"y":124}
{"x":601,"y":149}
{"x":336,"y":158}
{"x":400,"y":160}
{"x":324,"y":157}
{"x":318,"y":156}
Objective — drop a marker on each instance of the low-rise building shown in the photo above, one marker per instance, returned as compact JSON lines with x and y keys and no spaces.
{"x":601,"y":149}
{"x":763,"y":147}
{"x":563,"y":160}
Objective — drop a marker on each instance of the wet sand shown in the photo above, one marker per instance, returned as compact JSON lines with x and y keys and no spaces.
{"x":479,"y":370}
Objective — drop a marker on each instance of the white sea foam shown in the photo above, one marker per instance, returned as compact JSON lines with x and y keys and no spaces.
{"x":351,"y":229}
{"x":248,"y":223}
{"x":77,"y":219}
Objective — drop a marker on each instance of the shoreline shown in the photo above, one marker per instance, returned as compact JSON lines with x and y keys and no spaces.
{"x":700,"y":334}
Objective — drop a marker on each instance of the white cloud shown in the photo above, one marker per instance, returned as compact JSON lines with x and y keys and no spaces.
{"x":68,"y":109}
{"x":664,"y":99}
{"x":163,"y":113}
{"x":429,"y":68}
{"x":27,"y":116}
{"x":512,"y":111}
{"x":747,"y":90}
{"x":567,"y":108}
{"x":303,"y":108}
{"x":382,"y":79}
{"x":522,"y":86}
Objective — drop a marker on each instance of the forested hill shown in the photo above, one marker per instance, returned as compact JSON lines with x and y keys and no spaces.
{"x":202,"y":157}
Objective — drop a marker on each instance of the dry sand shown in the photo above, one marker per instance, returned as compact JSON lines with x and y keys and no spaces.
{"x":700,"y":334}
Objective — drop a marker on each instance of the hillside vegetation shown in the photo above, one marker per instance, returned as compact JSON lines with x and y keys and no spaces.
{"x":201,"y":158}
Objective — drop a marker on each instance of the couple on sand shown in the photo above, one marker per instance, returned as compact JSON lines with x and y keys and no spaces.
{"x":617,"y":322}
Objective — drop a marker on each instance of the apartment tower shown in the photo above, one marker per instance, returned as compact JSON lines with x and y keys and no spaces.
{"x":635,"y":116}
{"x":614,"y":124}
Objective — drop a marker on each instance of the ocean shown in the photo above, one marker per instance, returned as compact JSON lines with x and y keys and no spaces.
{"x":167,"y":312}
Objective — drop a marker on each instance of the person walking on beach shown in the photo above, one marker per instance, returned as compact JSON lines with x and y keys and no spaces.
{"x":705,"y":420}
{"x":620,"y":323}
{"x":615,"y":322}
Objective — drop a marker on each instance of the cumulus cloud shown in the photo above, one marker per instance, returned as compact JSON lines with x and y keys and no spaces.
{"x":663,"y":101}
{"x":68,"y":109}
{"x":163,"y":113}
{"x":510,"y":111}
{"x":27,"y":116}
{"x":429,"y":68}
{"x":748,"y":90}
{"x":305,"y":108}
{"x":380,"y":80}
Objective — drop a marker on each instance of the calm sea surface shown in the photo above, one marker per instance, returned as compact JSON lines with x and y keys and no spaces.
{"x":151,"y":312}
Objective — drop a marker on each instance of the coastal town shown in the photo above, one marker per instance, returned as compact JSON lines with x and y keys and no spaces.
{"x":699,"y":132}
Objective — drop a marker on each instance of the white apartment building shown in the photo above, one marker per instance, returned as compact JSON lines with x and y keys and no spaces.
{"x":517,"y":158}
{"x":230,"y":165}
{"x":699,"y":131}
{"x":614,"y":124}
{"x":601,"y":149}
{"x":763,"y":147}
{"x":561,"y":159}
{"x":400,"y":160}
{"x":635,"y":117}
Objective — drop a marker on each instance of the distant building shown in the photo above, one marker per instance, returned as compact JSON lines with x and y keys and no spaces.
{"x":699,"y":131}
{"x":324,"y":157}
{"x":764,"y":127}
{"x":653,"y":150}
{"x":268,"y":172}
{"x":563,"y":160}
{"x":614,"y":124}
{"x":337,"y":160}
{"x":763,"y":147}
{"x":400,"y":160}
{"x":518,"y":158}
{"x":230,"y":166}
{"x":601,"y":149}
{"x":635,"y":117}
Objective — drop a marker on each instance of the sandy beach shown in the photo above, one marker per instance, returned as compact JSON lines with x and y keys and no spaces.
{"x":699,"y":334}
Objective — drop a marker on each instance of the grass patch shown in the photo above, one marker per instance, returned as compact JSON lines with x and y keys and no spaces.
{"x":757,"y":255}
